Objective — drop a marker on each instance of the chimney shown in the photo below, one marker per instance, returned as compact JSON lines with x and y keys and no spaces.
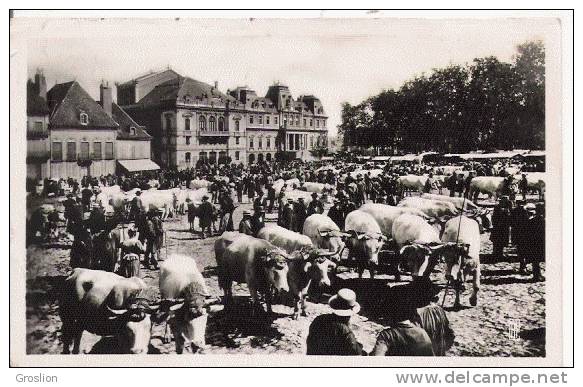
{"x":106,"y":97}
{"x":217,"y":85}
{"x":40,"y":84}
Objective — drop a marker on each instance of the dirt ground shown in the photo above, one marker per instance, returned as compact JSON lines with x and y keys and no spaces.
{"x":505,"y":297}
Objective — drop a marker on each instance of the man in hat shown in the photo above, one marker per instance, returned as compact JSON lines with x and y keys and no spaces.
{"x":500,"y":227}
{"x":315,"y":206}
{"x":245,"y":226}
{"x":287,"y":215}
{"x":153,"y":233}
{"x":519,"y":222}
{"x":402,"y":337}
{"x":523,"y":186}
{"x":205,"y":215}
{"x":136,"y":205}
{"x":536,"y":244}
{"x":300,"y":215}
{"x":336,"y":214}
{"x":330,"y":334}
{"x":258,"y":220}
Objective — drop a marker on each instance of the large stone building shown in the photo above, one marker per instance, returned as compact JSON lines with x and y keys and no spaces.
{"x":190,"y":121}
{"x":69,"y":134}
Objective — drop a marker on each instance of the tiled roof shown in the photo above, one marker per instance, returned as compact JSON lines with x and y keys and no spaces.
{"x":125,"y":122}
{"x":181,"y":87}
{"x":66,"y":103}
{"x":146,"y":76}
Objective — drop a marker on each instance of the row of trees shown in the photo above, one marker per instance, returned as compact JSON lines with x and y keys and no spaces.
{"x":487,"y":104}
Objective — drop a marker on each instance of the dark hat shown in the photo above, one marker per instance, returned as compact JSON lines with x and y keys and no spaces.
{"x":205,"y":197}
{"x":314,"y":195}
{"x":260,"y":209}
{"x":344,"y":303}
{"x":246,"y":213}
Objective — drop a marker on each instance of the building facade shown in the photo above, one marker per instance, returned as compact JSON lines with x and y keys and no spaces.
{"x":69,"y":134}
{"x":192,"y":121}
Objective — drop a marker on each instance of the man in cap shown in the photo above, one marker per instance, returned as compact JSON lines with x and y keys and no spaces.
{"x":136,"y":205}
{"x":330,"y":334}
{"x":402,"y":337}
{"x":336,"y":214}
{"x":245,"y":226}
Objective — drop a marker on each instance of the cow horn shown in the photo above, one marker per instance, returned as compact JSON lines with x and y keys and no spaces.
{"x":116,"y":312}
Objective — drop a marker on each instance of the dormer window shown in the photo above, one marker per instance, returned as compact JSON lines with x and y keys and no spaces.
{"x":84,"y":118}
{"x":132,"y":131}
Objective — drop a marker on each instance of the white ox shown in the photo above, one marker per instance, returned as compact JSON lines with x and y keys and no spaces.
{"x":489,"y":185}
{"x":412,"y":183}
{"x":462,"y":254}
{"x":197,"y":184}
{"x":104,"y":304}
{"x":184,"y":294}
{"x":385,"y":215}
{"x":417,"y":241}
{"x":365,"y":241}
{"x":253,"y":261}
{"x":285,"y":239}
{"x":160,"y":200}
{"x":432,"y":208}
{"x":457,"y":202}
{"x":307,"y":265}
{"x":324,"y":233}
{"x":317,"y":187}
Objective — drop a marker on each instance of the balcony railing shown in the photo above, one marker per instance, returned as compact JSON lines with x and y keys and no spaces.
{"x":38,"y":156}
{"x":214,"y":133}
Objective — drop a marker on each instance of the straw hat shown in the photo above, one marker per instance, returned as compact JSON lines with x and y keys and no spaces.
{"x":344,"y":303}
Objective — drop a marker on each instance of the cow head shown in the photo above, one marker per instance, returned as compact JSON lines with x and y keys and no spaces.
{"x":420,"y":257}
{"x":457,"y":260}
{"x":483,"y":216}
{"x":333,"y":240}
{"x":317,"y":264}
{"x":135,"y":327}
{"x":367,"y":245}
{"x":275,"y":268}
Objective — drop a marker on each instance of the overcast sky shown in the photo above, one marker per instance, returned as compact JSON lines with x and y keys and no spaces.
{"x":335,"y":59}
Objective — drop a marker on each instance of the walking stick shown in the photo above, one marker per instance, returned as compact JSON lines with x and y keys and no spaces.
{"x":456,"y":243}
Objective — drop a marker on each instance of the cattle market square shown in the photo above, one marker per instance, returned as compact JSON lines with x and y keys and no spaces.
{"x":181,"y":219}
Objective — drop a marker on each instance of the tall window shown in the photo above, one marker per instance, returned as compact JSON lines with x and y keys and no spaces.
{"x":260,"y":119}
{"x":97,"y":155}
{"x":71,"y":151}
{"x":168,"y":122}
{"x":251,"y":142}
{"x":84,"y":154}
{"x":260,"y":142}
{"x":267,"y":120}
{"x":132,"y":131}
{"x":57,"y":151}
{"x":311,"y":141}
{"x":187,"y":140}
{"x":202,"y":123}
{"x":109,"y":150}
{"x":317,"y":123}
{"x":187,"y":157}
{"x":268,"y":143}
{"x":236,"y":140}
{"x":84,"y":118}
{"x":297,"y":121}
{"x":276,"y":120}
{"x":237,"y":125}
{"x":305,"y":122}
{"x":250,"y":119}
{"x":187,"y":123}
{"x":237,"y":155}
{"x":212,"y":124}
{"x":38,"y":126}
{"x":311,"y":123}
{"x":221,"y":124}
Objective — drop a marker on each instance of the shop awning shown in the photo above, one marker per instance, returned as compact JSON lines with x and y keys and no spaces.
{"x":138,"y":165}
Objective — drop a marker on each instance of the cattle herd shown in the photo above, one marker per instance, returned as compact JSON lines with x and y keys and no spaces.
{"x":422,"y":231}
